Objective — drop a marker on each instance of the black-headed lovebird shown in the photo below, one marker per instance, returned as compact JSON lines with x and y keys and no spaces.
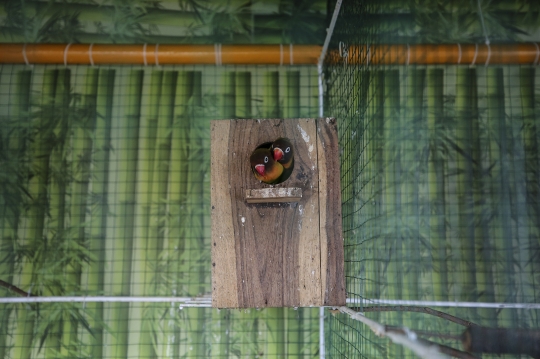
{"x":264,"y":167}
{"x":282,"y":150}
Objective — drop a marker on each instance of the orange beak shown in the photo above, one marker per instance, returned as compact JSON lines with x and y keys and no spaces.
{"x":278,"y":154}
{"x":260,"y":169}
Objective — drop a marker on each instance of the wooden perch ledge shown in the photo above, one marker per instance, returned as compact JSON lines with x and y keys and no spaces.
{"x":269,"y":195}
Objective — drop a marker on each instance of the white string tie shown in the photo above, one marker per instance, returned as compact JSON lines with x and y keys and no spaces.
{"x":459,"y":53}
{"x":537,"y":54}
{"x":156,"y":55}
{"x":144,"y":54}
{"x":217,"y":52}
{"x":475,"y":54}
{"x":90,"y":57}
{"x":66,"y":53}
{"x":26,"y":58}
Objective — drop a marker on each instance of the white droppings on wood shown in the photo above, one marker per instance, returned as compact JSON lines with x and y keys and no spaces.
{"x":305,"y":136}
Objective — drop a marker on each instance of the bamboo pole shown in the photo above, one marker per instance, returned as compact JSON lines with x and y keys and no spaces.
{"x":502,"y":232}
{"x":57,"y":201}
{"x":178,"y":172}
{"x":194,"y":237}
{"x":122,"y":234}
{"x":35,"y":214}
{"x":410,"y":125}
{"x":271,"y":94}
{"x":376,"y":133}
{"x":100,"y":205}
{"x":145,"y":249}
{"x":522,"y":226}
{"x":392,"y":195}
{"x":530,"y":134}
{"x":156,"y":54}
{"x":436,"y":185}
{"x":243,"y":94}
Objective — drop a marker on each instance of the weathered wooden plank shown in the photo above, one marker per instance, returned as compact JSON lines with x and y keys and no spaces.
{"x":268,"y":235}
{"x":309,"y":239}
{"x":332,"y":256}
{"x":224,"y":288}
{"x":273,"y":195}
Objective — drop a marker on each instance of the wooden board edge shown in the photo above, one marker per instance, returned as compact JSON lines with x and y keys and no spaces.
{"x":331,"y":232}
{"x":224,"y":280}
{"x":309,"y":276}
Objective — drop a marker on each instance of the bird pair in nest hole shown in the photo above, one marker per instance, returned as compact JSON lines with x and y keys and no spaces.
{"x":273,"y":162}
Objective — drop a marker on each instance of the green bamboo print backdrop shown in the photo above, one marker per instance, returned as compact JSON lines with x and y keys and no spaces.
{"x":104,"y":175}
{"x":164,"y":21}
{"x":105,"y":191}
{"x":439,"y":176}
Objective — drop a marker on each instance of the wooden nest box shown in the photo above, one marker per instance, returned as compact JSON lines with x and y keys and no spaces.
{"x":276,"y":245}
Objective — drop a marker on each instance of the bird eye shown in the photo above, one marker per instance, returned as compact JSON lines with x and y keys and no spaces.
{"x":265,"y":159}
{"x":287,"y":150}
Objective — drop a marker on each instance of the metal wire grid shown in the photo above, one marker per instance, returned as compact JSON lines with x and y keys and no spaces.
{"x":105,"y":174}
{"x":439,"y":187}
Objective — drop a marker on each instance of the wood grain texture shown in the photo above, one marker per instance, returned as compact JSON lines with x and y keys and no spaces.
{"x":275,"y":252}
{"x":223,"y":243}
{"x":332,"y":255}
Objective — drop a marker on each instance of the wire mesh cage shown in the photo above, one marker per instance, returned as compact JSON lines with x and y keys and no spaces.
{"x":104,"y":178}
{"x":439,"y":175}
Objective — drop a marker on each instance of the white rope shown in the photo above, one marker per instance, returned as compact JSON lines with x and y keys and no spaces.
{"x":537,"y":54}
{"x":329,"y":33}
{"x":90,"y":57}
{"x":475,"y":54}
{"x":459,"y":53}
{"x":66,"y":53}
{"x":24,"y":55}
{"x":156,"y":54}
{"x":217,"y":53}
{"x":144,"y":55}
{"x":489,"y":54}
{"x":427,"y":303}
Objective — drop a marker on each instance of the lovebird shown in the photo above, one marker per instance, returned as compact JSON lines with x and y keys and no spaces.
{"x":283,"y":153}
{"x":264,"y":167}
